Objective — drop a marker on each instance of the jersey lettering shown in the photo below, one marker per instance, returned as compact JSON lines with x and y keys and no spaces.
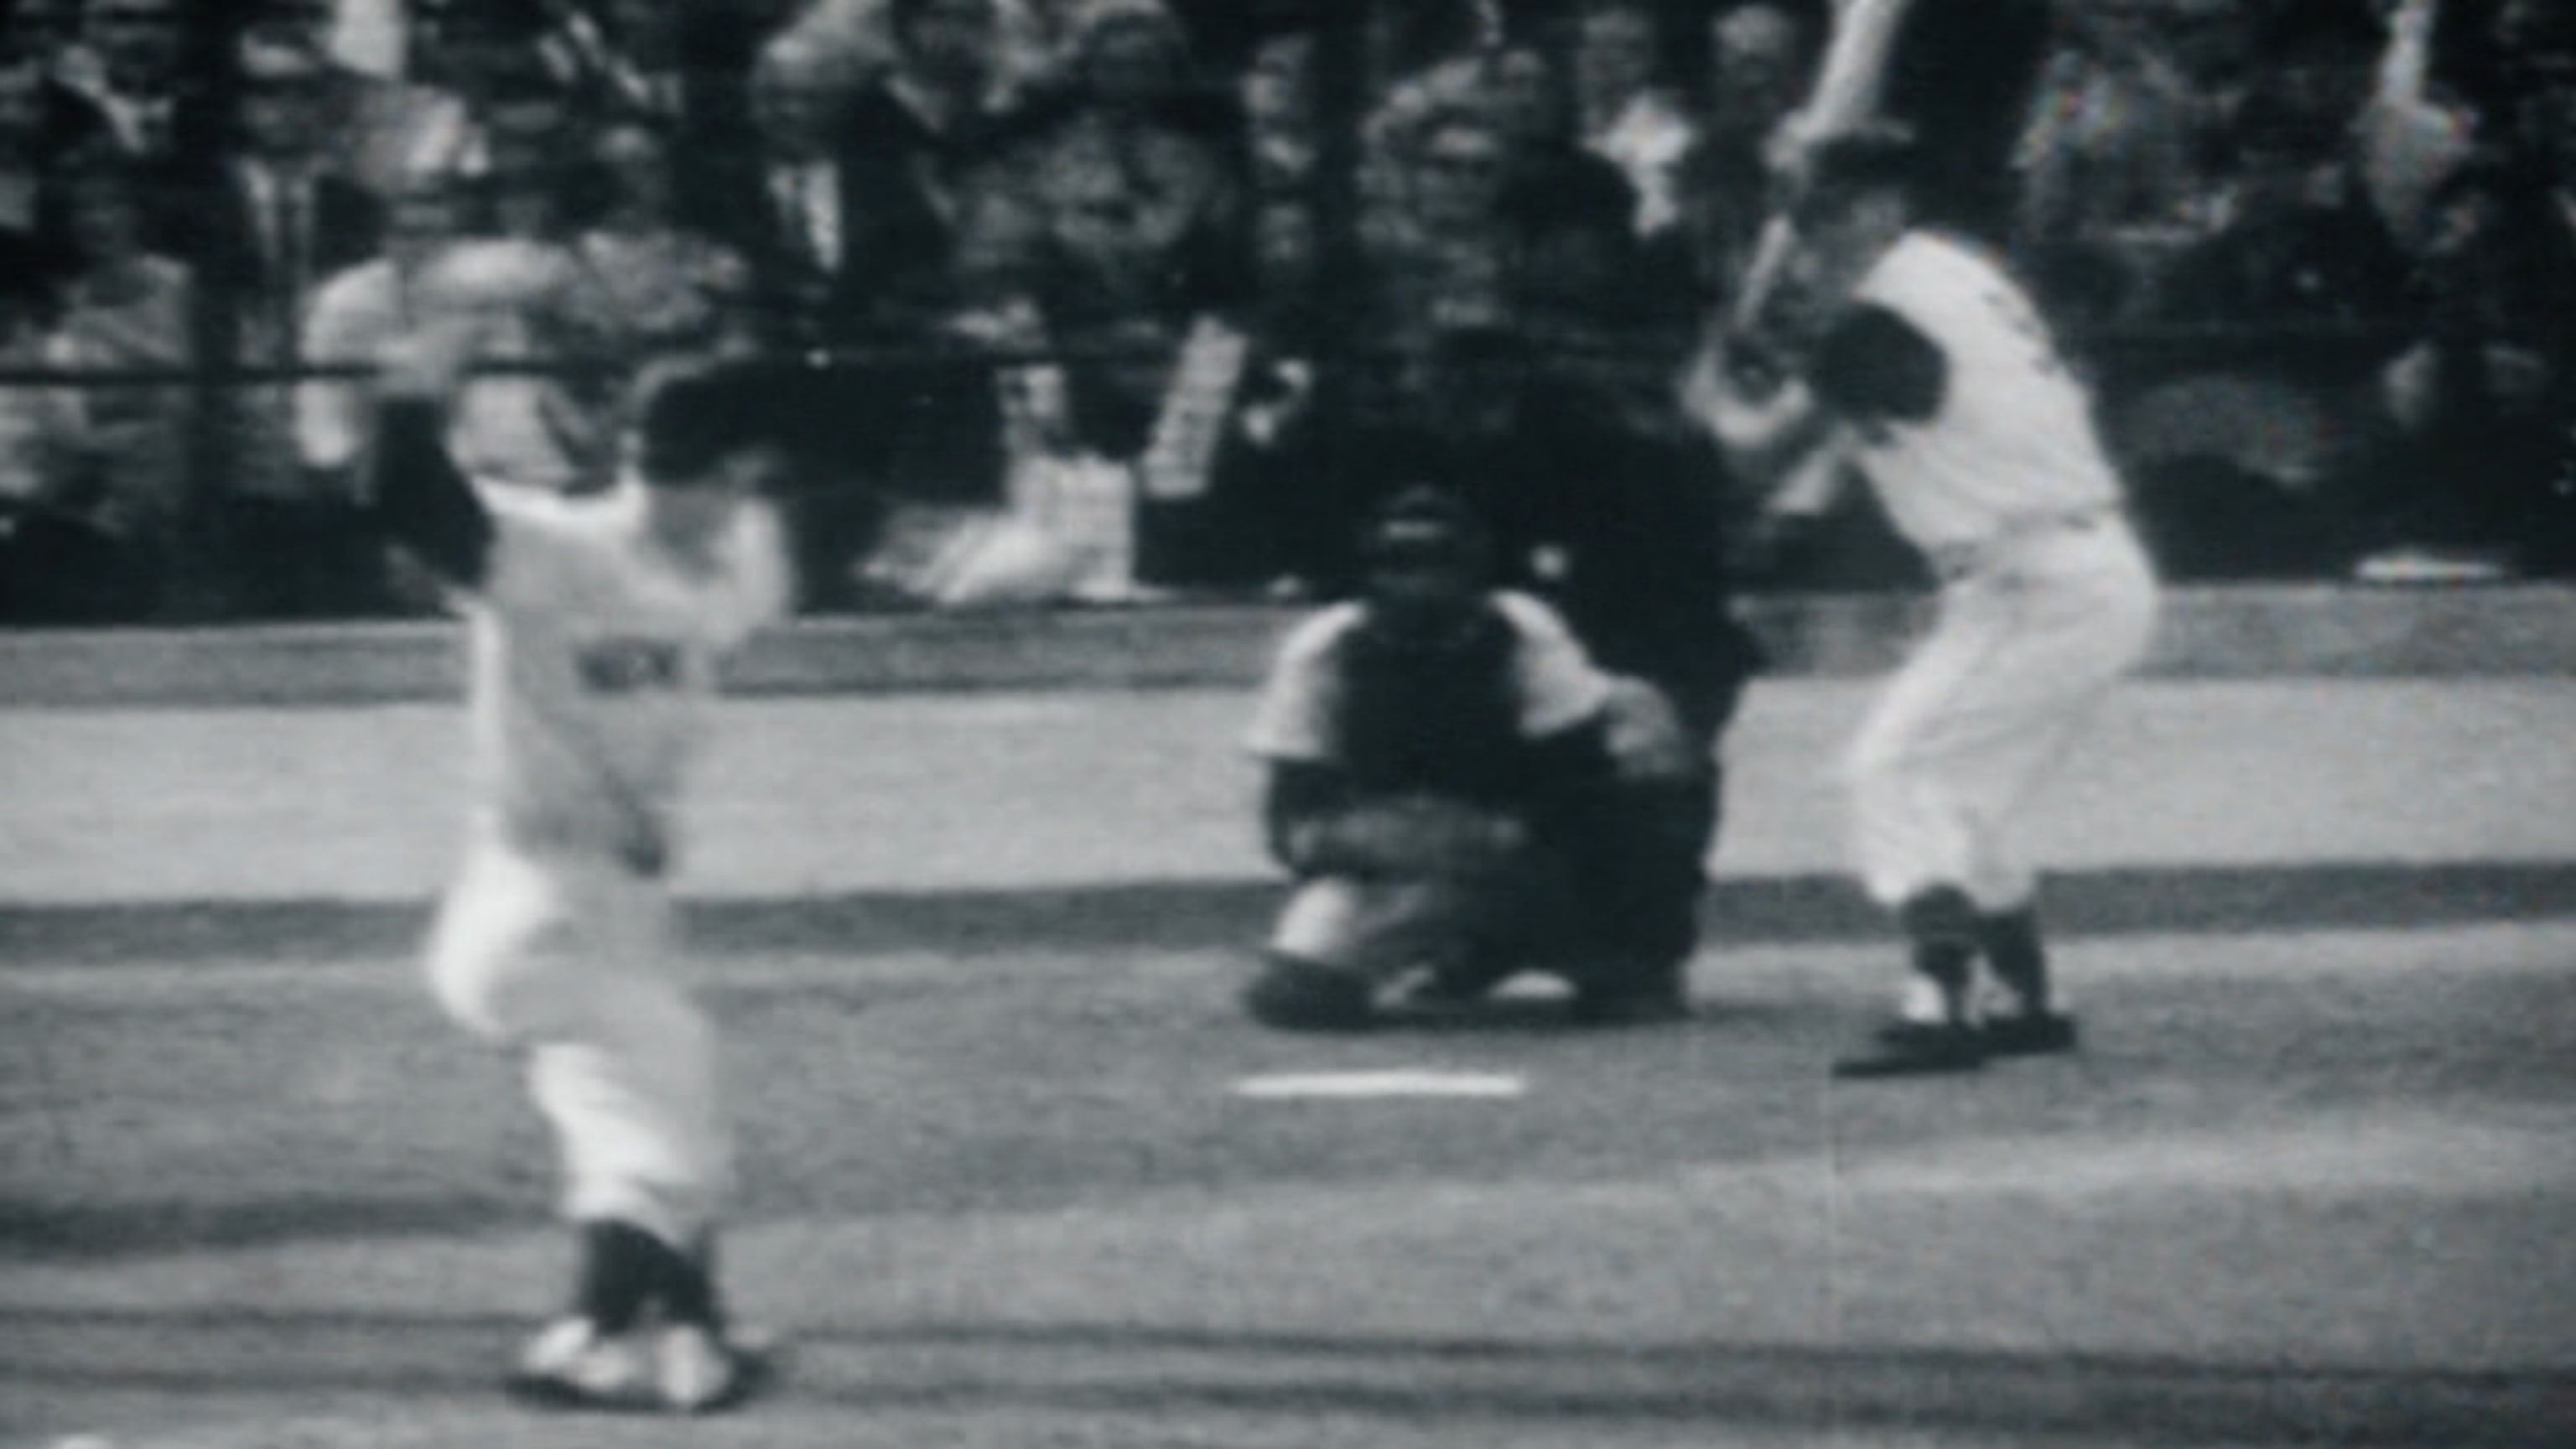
{"x":628,"y":665}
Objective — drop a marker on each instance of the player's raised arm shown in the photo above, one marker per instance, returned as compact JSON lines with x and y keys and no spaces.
{"x":421,"y":500}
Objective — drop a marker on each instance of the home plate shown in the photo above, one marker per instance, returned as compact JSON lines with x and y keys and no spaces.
{"x":1400,"y":1083}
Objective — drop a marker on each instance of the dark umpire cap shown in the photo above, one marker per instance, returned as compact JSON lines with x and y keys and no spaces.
{"x":1423,"y":527}
{"x":699,"y":412}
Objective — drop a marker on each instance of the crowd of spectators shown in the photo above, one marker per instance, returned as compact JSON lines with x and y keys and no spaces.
{"x":1093,"y":316}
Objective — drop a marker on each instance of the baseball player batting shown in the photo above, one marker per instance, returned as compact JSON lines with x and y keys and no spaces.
{"x":596,"y":625}
{"x":1933,"y":372}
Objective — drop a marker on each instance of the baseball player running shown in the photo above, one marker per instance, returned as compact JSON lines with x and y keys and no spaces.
{"x":1929,"y":369}
{"x":596,"y":624}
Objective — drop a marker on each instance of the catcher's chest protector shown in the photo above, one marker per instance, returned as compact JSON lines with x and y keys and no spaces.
{"x":1441,"y":720}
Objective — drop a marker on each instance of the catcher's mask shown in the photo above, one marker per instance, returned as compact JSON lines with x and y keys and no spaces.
{"x":1425,"y":553}
{"x":1424,"y":527}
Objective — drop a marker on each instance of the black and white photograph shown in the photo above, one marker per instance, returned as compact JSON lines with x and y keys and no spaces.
{"x":1287,"y":724}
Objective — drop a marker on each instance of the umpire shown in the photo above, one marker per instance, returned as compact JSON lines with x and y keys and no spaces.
{"x":1462,"y":794}
{"x":1621,"y":525}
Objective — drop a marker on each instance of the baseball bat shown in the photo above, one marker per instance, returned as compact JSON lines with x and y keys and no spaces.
{"x":1850,"y":82}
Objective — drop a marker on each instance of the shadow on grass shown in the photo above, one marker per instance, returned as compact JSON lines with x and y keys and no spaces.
{"x":1189,"y":915}
{"x":36,"y":1232}
{"x":1112,"y":1368}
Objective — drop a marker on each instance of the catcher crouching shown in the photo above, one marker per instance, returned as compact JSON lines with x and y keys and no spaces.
{"x":1461,"y":795}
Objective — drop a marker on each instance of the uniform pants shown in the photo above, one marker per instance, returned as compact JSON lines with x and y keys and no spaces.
{"x":568,"y":958}
{"x":2025,"y":645}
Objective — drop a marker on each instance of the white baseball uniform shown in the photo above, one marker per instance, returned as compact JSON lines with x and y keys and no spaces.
{"x":2046,"y":599}
{"x":594,"y":655}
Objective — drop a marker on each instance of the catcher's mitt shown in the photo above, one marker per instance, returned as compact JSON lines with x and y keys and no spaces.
{"x":1407,"y":838}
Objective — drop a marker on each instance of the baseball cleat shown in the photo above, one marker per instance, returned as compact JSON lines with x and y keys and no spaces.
{"x":699,"y":1371}
{"x":1915,"y":1049}
{"x":1294,"y":995}
{"x":2028,"y":1033}
{"x":570,"y":1364}
{"x":1435,"y":992}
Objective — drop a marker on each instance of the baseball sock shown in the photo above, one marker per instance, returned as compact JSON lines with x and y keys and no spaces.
{"x":619,"y":1266}
{"x":688,"y":1283}
{"x":1935,"y":1028}
{"x":2010,"y":940}
{"x":1940,"y":924}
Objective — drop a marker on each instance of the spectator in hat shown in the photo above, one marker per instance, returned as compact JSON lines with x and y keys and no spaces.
{"x":138,"y":79}
{"x":379,"y":126}
{"x":667,"y":286}
{"x":539,"y":418}
{"x":916,"y":154}
{"x":789,"y":221}
{"x":124,"y":308}
{"x":57,"y":564}
{"x":1134,"y":242}
{"x":360,"y":311}
{"x":1627,"y":115}
{"x":1761,"y":55}
{"x":45,"y":110}
{"x":281,"y":218}
{"x":480,"y":52}
{"x":2479,"y":485}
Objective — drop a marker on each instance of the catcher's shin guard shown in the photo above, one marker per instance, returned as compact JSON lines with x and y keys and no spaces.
{"x":1293,"y":994}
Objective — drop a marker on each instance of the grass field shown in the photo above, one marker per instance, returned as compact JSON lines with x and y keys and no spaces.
{"x":2312,"y":1181}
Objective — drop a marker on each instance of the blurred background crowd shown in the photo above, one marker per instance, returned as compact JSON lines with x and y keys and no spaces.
{"x":1108,"y":300}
